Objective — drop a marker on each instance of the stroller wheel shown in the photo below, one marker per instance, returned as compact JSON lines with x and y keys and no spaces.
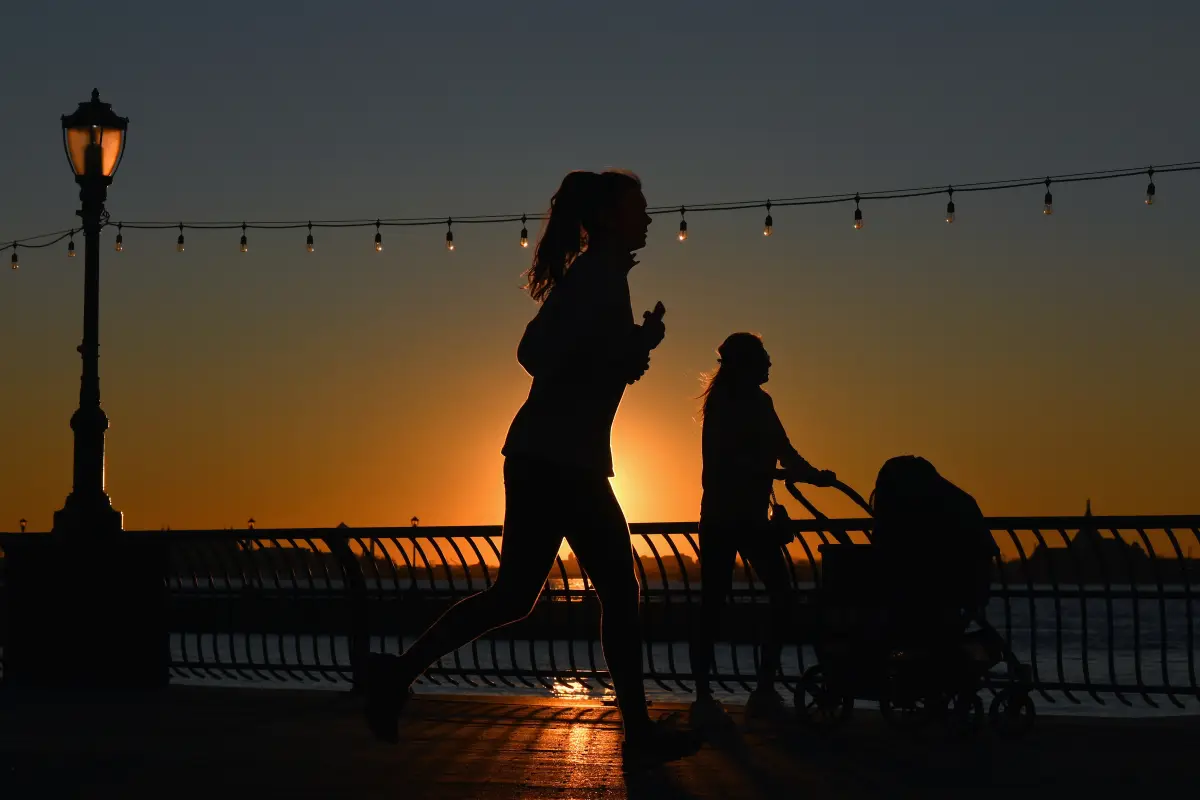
{"x":966,"y":713}
{"x":903,"y":705}
{"x":1012,"y":712}
{"x":816,"y":705}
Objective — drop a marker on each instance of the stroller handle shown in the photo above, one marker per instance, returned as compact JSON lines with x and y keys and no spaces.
{"x":843,"y":488}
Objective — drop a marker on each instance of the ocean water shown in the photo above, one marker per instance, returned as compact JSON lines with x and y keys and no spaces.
{"x":1096,"y":642}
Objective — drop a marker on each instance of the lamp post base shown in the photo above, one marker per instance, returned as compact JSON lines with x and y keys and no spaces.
{"x":86,"y":612}
{"x":92,"y":517}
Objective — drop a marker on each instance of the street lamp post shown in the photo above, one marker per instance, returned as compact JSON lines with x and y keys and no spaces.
{"x":94,"y":139}
{"x":88,"y":588}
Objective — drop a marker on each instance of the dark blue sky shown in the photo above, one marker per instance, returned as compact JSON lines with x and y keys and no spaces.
{"x":359,"y":109}
{"x":1003,"y":341}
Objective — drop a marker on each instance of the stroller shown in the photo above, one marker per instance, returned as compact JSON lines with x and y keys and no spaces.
{"x":900,"y":620}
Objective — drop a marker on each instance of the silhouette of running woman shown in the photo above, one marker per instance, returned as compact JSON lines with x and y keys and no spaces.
{"x":741,"y":442}
{"x":582,"y":349}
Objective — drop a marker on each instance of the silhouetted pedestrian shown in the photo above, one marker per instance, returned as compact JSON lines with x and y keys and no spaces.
{"x":743,"y":442}
{"x":582,"y":349}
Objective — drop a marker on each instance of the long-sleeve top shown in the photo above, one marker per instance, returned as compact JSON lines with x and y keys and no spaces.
{"x":580,"y":350}
{"x":742,"y":440}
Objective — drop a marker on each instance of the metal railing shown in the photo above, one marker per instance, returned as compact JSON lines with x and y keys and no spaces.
{"x":1098,"y":607}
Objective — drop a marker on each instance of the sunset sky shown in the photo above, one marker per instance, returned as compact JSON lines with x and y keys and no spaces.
{"x":1036,"y":361}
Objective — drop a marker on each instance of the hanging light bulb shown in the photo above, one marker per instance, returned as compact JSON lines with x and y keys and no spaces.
{"x":245,"y":247}
{"x":449,"y":235}
{"x":309,"y":242}
{"x":119,"y":244}
{"x":950,"y":205}
{"x":1150,"y":187}
{"x":768,"y":223}
{"x":858,"y":220}
{"x":179,"y":241}
{"x":1048,"y":208}
{"x":378,"y":238}
{"x":71,"y":246}
{"x":682,"y":224}
{"x":16,"y":262}
{"x":524,"y":233}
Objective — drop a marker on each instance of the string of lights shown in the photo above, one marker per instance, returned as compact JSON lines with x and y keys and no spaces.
{"x":44,"y":240}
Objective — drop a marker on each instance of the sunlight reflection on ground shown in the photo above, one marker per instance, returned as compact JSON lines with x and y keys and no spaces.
{"x":579,"y":690}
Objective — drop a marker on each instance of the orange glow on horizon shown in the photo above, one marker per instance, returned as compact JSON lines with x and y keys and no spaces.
{"x":347,"y":403}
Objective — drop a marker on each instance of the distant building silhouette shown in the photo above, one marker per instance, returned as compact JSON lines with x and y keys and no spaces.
{"x":1089,"y":557}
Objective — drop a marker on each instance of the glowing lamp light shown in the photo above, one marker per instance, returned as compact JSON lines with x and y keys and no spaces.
{"x":94,"y":139}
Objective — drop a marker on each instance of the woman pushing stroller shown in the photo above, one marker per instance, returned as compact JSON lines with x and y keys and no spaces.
{"x":743,"y":443}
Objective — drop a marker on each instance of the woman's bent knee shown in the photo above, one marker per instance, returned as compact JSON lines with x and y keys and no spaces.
{"x":623,"y":601}
{"x":510,"y":604}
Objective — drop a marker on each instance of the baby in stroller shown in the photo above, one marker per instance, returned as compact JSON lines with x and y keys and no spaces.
{"x":935,"y":551}
{"x":894,"y":618}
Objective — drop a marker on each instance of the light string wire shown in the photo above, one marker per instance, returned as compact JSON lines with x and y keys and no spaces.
{"x":43,"y":240}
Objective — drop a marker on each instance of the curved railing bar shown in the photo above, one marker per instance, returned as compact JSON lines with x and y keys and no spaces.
{"x":220,"y":573}
{"x":512,"y":645}
{"x":454,"y":591}
{"x":1187,"y":604}
{"x":1083,"y":613}
{"x":1033,"y":658}
{"x":1163,"y":652}
{"x":330,"y":673}
{"x":1109,"y":614}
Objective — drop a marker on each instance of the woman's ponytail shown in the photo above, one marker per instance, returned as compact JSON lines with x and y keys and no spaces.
{"x":581,"y":196}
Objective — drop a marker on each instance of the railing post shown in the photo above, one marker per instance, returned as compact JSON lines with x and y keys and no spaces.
{"x":355,"y":588}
